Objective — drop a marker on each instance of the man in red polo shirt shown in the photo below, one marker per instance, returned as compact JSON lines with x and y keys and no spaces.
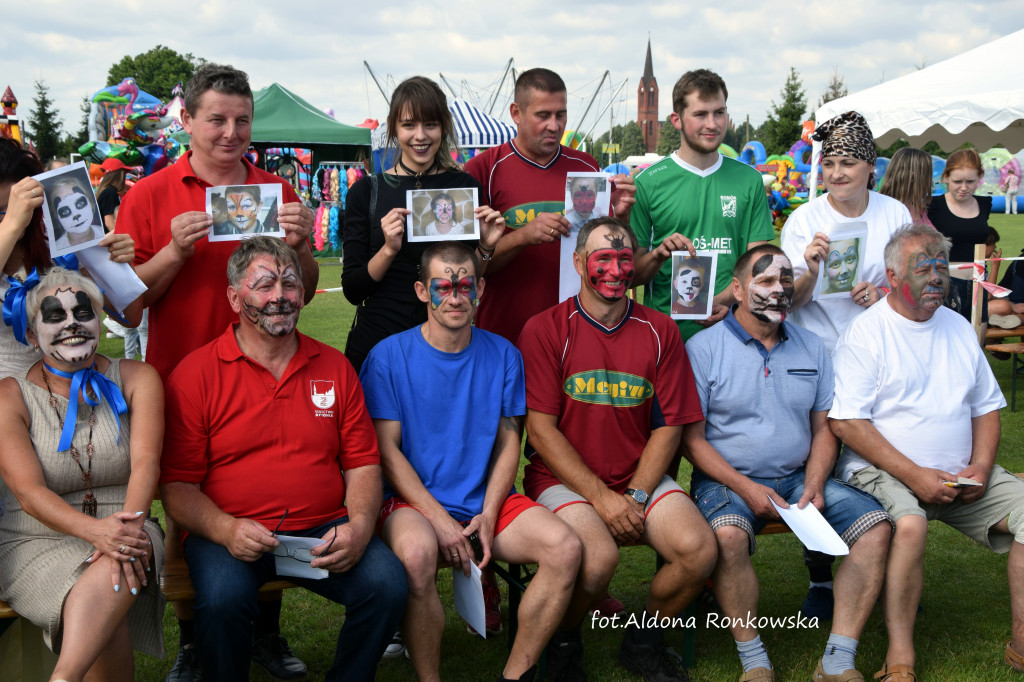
{"x":164,"y":214}
{"x":267,"y":433}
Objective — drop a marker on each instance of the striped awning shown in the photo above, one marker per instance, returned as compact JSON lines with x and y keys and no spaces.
{"x":474,"y":128}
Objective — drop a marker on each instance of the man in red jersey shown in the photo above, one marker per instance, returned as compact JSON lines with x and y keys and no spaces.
{"x":608,"y":391}
{"x":185,"y":272}
{"x":525,"y":180}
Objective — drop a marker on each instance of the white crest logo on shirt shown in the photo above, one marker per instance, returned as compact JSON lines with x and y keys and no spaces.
{"x":728,"y":206}
{"x":322,"y":394}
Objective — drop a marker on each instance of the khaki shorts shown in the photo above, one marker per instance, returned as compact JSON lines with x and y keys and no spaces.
{"x":1005,"y":493}
{"x":558,"y":496}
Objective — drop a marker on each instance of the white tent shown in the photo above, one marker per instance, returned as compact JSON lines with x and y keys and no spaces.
{"x":974,"y":97}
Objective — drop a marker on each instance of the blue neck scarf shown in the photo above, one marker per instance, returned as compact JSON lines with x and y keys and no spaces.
{"x":101,"y":386}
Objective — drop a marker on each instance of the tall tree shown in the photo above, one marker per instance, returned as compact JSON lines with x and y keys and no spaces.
{"x":156,"y":71}
{"x":44,"y":126}
{"x":782,"y":128}
{"x":670,"y":138}
{"x":836,"y":88}
{"x":631,"y":140}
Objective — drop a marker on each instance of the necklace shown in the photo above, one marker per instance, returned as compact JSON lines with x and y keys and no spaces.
{"x":414,"y":174}
{"x":89,"y":505}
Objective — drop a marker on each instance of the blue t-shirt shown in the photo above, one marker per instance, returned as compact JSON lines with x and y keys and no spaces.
{"x":757,"y":402}
{"x":449,"y":405}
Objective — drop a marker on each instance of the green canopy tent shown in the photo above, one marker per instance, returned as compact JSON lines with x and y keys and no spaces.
{"x":283,"y":119}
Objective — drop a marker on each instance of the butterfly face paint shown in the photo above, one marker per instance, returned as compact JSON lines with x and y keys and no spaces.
{"x":610,"y":270}
{"x":74,"y":212}
{"x":443,"y":211}
{"x":926,"y":281}
{"x":770,"y":289}
{"x":272,"y":296}
{"x":688,"y":284}
{"x":841,"y":265}
{"x":67,"y":327}
{"x":458,"y":284}
{"x":243,"y":210}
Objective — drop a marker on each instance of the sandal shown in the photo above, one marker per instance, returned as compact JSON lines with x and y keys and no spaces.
{"x":896,"y":673}
{"x":1012,"y":658}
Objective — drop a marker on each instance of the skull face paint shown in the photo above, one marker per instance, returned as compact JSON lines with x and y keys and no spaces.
{"x":74,"y":212}
{"x":66,"y":326}
{"x":458,"y":282}
{"x":926,"y":281}
{"x":271,"y":296}
{"x":770,"y":288}
{"x":610,"y":270}
{"x":243,"y":211}
{"x":841,"y":265}
{"x":688,"y":284}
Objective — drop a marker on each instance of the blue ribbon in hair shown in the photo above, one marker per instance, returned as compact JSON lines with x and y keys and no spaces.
{"x":101,"y":386}
{"x":14,"y":304}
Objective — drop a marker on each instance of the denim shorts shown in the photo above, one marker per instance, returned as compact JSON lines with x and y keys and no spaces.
{"x":850,"y":512}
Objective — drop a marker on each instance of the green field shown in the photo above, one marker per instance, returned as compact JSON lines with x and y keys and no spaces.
{"x":960,"y":634}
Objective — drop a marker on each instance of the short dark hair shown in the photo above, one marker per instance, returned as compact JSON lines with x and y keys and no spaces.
{"x":993,"y":236}
{"x":541,"y":79}
{"x":741,"y":270}
{"x":249,"y":249}
{"x":251,"y":190}
{"x":220,"y":78}
{"x":451,"y":252}
{"x":593,"y":224}
{"x":706,"y":83}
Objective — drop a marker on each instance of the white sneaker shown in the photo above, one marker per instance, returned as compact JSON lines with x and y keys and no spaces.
{"x":397,"y":646}
{"x":1004,"y":321}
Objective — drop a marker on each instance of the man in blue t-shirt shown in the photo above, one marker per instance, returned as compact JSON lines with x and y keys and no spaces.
{"x":447,"y":401}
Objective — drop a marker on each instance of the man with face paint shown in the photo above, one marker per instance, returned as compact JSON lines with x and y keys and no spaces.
{"x":608,"y":390}
{"x":765,"y":387}
{"x":917,"y":408}
{"x":460,"y":507}
{"x":234,"y":478}
{"x":688,"y":285}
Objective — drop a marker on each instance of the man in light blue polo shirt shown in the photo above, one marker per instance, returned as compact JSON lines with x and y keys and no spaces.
{"x":766,"y":388}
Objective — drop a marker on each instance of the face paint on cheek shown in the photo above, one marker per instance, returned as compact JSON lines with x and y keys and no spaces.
{"x":583,"y":201}
{"x":610,"y":272}
{"x":67,"y":327}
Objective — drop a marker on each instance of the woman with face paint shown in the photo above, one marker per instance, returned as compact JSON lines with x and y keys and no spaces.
{"x":24,"y":252}
{"x":848,"y":171}
{"x":962,"y":217}
{"x":75,"y":220}
{"x":81,"y":455}
{"x":380,"y":264}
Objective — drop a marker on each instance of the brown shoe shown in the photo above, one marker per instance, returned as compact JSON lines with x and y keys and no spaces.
{"x":758,"y":675}
{"x":845,"y":676}
{"x":898,"y":672}
{"x":1012,"y":658}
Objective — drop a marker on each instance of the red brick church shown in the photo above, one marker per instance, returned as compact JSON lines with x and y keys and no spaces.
{"x":647,"y":104}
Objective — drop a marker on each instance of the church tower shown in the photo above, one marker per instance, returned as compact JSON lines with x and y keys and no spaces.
{"x":647,"y":104}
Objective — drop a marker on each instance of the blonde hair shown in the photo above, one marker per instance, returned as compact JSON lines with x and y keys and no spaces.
{"x":58,"y":277}
{"x":908,"y":179}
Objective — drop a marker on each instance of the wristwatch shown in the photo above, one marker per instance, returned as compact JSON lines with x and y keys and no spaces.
{"x":639,"y":495}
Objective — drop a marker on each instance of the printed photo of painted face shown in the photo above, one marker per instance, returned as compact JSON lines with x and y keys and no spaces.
{"x":769,"y":289}
{"x":586,"y":197}
{"x":609,"y":262}
{"x":689,"y":282}
{"x":442,"y":214}
{"x":66,"y":328}
{"x":74,"y":211}
{"x":243,"y":207}
{"x":841,"y":266}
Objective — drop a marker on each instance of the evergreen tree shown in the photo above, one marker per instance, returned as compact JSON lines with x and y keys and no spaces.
{"x":670,"y":138}
{"x":631,"y":140}
{"x":156,"y":71}
{"x":782,"y":128}
{"x":836,"y":89}
{"x":44,"y":126}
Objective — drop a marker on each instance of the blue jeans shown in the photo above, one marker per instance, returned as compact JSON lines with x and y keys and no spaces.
{"x":373,"y":593}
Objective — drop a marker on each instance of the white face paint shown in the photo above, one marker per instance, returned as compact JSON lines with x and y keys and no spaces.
{"x":770,"y":289}
{"x":74,"y":213}
{"x":688,"y":284}
{"x":66,"y":326}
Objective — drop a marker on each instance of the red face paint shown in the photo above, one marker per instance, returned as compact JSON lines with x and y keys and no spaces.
{"x":610,"y":272}
{"x":584,"y":200}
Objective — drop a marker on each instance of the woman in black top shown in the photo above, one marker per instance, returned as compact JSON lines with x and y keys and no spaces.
{"x":962,"y":217}
{"x":380,"y":264}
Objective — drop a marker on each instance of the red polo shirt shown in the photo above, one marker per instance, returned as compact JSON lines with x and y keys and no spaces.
{"x":194,"y":309}
{"x":257,"y":445}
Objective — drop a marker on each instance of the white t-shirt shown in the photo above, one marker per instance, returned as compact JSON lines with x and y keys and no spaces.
{"x":920,"y":384}
{"x":830,"y":317}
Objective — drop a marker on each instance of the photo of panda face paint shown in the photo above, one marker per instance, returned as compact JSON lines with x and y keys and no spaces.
{"x":693,"y":279}
{"x":71,"y":214}
{"x":67,"y":327}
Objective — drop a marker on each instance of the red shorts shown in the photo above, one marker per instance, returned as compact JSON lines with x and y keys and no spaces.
{"x":514,"y":505}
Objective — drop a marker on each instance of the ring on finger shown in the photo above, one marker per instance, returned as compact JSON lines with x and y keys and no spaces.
{"x":122,"y":549}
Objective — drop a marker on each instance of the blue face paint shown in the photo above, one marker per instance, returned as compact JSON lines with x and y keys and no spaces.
{"x":442,"y":288}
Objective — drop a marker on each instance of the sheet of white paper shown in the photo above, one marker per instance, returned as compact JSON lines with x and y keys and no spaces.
{"x":568,"y":278}
{"x":813,"y":530}
{"x":119,"y":282}
{"x":469,"y":598}
{"x":289,"y":565}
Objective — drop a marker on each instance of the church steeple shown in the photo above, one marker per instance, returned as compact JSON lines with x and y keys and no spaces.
{"x":647,"y":104}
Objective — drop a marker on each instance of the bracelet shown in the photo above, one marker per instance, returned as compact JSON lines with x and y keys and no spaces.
{"x":485,"y":255}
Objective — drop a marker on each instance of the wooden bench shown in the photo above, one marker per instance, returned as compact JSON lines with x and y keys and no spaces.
{"x":1014,"y":349}
{"x":996,"y":333}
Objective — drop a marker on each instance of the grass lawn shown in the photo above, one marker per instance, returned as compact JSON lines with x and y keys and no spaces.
{"x":960,"y":633}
